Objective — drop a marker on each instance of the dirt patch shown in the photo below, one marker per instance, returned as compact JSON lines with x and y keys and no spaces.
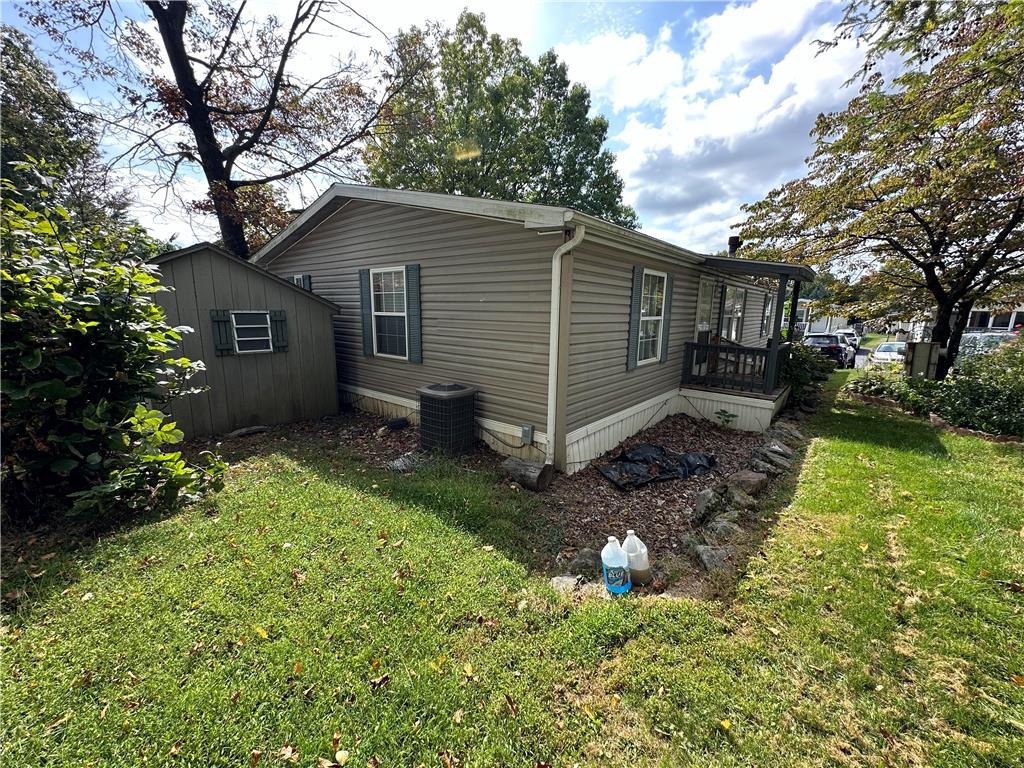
{"x":587,"y":508}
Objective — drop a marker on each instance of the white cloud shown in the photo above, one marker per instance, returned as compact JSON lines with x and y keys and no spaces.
{"x":626,"y":70}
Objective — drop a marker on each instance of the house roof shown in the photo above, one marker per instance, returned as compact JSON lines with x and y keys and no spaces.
{"x":758,"y":267}
{"x":530,"y":215}
{"x":163,"y":258}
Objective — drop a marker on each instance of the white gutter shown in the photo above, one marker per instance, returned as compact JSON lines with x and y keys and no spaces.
{"x":556,"y":298}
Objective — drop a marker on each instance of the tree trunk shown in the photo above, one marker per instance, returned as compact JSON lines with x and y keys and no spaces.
{"x":171,"y":21}
{"x":963,"y":318}
{"x":947,"y":333}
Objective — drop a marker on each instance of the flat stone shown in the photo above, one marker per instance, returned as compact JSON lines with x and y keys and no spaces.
{"x":707,"y":504}
{"x":780,"y":448}
{"x":763,"y":466}
{"x":723,"y":530}
{"x":737,"y":498}
{"x":564,"y":584}
{"x":747,"y":480}
{"x":773,"y":458}
{"x":408,"y":462}
{"x":586,"y":563}
{"x":714,"y":559}
{"x":244,"y":431}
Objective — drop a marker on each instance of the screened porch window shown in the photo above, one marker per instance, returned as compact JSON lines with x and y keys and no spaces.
{"x":390,"y":328}
{"x":652,"y":316}
{"x":732,"y":317}
{"x":251,"y":332}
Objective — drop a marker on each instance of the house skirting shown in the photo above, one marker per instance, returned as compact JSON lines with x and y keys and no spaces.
{"x":505,"y":439}
{"x":750,"y":414}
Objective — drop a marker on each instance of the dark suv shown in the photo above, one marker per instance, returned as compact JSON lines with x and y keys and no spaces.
{"x":832,"y":346}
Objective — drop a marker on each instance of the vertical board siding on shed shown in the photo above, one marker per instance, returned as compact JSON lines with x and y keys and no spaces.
{"x":245,"y":390}
{"x":599,"y":384}
{"x":485,"y":288}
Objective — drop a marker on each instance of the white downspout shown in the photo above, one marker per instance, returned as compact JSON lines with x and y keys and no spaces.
{"x":556,"y":297}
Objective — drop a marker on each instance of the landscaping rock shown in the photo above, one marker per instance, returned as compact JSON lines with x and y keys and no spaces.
{"x":708,"y":504}
{"x":721,"y":531}
{"x":789,"y":428}
{"x":773,"y":458}
{"x":565,"y":584}
{"x":408,"y":462}
{"x":737,"y":498}
{"x":763,"y":466}
{"x":586,"y":563}
{"x":246,"y":431}
{"x":714,"y":559}
{"x":780,"y":448}
{"x":688,"y":545}
{"x":747,"y":480}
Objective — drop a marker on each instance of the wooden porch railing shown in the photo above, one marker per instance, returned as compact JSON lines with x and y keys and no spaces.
{"x":732,"y":366}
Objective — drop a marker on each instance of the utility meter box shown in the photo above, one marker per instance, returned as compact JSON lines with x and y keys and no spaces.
{"x":922,"y":359}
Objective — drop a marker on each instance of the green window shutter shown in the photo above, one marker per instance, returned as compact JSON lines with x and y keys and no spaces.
{"x":412,"y":297}
{"x":634,"y":317}
{"x":667,"y":314}
{"x":279,"y":330}
{"x":223,"y":344}
{"x":367,"y":311}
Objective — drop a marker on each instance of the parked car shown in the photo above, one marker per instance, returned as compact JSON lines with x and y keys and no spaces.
{"x":851,"y":336}
{"x":889,"y":352}
{"x":832,"y":346}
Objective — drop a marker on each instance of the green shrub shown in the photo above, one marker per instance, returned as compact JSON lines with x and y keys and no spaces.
{"x":85,"y":360}
{"x":802,"y":370}
{"x":985,"y":392}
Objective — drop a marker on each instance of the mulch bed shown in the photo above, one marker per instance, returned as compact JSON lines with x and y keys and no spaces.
{"x":587,"y":508}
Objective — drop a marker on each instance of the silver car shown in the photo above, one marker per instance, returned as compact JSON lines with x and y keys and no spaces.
{"x":889,"y":352}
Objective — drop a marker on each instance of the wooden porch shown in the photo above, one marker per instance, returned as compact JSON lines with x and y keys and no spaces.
{"x":734,"y":368}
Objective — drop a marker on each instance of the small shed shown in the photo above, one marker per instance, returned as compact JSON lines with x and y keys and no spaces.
{"x":267,"y":342}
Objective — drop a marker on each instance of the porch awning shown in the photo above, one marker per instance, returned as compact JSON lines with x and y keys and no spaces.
{"x":755,"y":267}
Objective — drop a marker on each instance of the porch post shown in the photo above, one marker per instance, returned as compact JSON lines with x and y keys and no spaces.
{"x":793,"y":308}
{"x":771,"y":372}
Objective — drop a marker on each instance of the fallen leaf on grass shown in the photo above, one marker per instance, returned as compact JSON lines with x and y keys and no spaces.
{"x":380,"y":682}
{"x":511,"y":706}
{"x":341,"y":756}
{"x":1018,"y":679}
{"x":457,"y":717}
{"x":254,"y":757}
{"x":298,"y":667}
{"x":176,"y":748}
{"x":87,"y":597}
{"x":288,"y":753}
{"x":863,"y":547}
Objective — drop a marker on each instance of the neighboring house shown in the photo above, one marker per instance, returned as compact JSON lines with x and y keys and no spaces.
{"x":578,"y":333}
{"x":810,"y":321}
{"x":268,"y":345}
{"x":982,"y":319}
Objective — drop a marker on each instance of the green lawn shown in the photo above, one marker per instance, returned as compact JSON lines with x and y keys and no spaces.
{"x":883,"y":626}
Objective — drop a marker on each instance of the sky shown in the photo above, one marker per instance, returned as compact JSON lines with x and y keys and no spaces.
{"x":710,"y":104}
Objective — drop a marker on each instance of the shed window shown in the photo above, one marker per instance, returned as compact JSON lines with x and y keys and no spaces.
{"x":251,"y":331}
{"x":390,"y":326}
{"x":652,"y":316}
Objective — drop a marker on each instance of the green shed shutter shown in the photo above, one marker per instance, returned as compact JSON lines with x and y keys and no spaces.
{"x":366,"y":309}
{"x":279,"y":330}
{"x":634,"y":317}
{"x":223,"y":344}
{"x":412,"y":294}
{"x":667,"y":315}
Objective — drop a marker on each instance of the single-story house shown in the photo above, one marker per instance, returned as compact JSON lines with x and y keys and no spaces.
{"x":267,"y":344}
{"x":982,"y":319}
{"x":810,"y":321}
{"x":577,"y":332}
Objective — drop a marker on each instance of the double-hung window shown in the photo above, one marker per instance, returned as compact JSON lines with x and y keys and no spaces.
{"x":767,"y":317}
{"x":732,"y":318}
{"x":251,"y":331}
{"x":652,"y":316}
{"x":390,"y":322}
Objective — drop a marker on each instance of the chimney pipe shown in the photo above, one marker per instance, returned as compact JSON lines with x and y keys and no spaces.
{"x":734,"y":245}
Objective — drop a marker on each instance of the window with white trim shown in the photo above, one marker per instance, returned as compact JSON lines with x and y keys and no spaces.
{"x":652,"y":316}
{"x":390,"y":323}
{"x":251,"y":331}
{"x":766,"y":318}
{"x":732,"y":317}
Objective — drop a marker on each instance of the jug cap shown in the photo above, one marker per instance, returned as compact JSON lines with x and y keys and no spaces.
{"x":631,"y":532}
{"x":612,"y":538}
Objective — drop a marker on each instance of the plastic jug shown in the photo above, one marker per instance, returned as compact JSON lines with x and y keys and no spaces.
{"x":639,"y":564}
{"x":615,"y":565}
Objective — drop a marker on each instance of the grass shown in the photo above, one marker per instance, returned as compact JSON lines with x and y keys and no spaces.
{"x":316,"y":601}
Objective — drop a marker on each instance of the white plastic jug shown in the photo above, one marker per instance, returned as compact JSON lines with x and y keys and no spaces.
{"x":636,"y":554}
{"x":615,"y":565}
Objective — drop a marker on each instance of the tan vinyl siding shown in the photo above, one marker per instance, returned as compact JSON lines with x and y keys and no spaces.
{"x":599,"y":383}
{"x":485,"y":288}
{"x":246,"y":390}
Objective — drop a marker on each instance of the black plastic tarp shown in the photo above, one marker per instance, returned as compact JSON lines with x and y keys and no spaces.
{"x":649,"y":463}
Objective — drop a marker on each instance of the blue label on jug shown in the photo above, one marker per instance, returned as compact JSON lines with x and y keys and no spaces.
{"x":616,"y":579}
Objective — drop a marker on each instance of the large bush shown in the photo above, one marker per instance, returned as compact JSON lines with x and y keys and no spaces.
{"x":802,"y":369}
{"x":86,"y":361}
{"x":984,"y":392}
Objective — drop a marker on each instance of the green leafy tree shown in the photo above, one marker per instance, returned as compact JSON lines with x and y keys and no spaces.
{"x":485,"y":120}
{"x":86,"y":357}
{"x":916,"y":187}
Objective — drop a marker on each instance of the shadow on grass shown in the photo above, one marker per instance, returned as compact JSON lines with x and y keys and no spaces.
{"x":874,"y":425}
